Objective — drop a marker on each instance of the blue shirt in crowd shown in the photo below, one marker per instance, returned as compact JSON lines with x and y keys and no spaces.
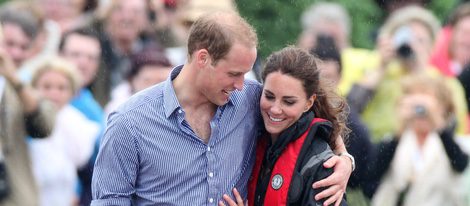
{"x":150,"y":155}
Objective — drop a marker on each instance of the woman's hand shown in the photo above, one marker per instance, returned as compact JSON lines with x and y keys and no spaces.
{"x":422,"y":112}
{"x":229,"y":200}
{"x":336,"y":182}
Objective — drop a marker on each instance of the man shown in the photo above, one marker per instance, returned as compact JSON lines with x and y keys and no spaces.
{"x":20,"y":28}
{"x":22,"y":113}
{"x":120,"y":36}
{"x":190,"y":139}
{"x":82,"y":47}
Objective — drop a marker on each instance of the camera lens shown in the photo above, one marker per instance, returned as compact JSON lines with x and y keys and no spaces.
{"x":420,"y":111}
{"x":404,"y":51}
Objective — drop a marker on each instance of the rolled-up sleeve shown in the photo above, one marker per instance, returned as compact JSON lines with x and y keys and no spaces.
{"x":117,"y":164}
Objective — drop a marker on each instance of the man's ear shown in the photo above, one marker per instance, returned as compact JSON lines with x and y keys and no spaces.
{"x":202,"y":57}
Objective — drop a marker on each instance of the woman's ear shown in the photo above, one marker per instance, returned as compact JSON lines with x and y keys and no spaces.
{"x":310,"y":102}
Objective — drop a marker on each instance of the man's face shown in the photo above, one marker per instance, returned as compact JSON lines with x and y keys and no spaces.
{"x":16,"y":43}
{"x":84,"y":52}
{"x":127,"y":19}
{"x":218,"y":81}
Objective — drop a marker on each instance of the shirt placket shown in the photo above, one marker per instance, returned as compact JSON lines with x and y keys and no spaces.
{"x":211,"y":160}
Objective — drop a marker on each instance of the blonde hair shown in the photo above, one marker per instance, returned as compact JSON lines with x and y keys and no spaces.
{"x":411,"y":14}
{"x":60,"y":65}
{"x":433,"y":85}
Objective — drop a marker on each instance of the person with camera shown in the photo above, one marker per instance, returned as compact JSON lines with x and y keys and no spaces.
{"x":22,"y":113}
{"x":422,"y":164}
{"x":403,"y":48}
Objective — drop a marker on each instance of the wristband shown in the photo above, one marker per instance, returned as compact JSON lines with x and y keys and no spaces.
{"x":353,"y":162}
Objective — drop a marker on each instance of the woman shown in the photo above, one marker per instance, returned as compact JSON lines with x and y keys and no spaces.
{"x":422,"y":164}
{"x":55,"y":159}
{"x":301,"y":118}
{"x":148,"y":67}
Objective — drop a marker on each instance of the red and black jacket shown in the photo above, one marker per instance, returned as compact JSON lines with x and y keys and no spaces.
{"x":285,"y":171}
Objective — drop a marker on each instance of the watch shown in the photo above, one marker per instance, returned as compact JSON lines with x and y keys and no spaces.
{"x":353,"y":162}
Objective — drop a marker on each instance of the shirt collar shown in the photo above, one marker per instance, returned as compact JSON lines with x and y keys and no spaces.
{"x":169,"y":96}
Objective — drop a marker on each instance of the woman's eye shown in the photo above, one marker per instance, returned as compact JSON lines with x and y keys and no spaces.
{"x":269,"y":97}
{"x":289,"y":102}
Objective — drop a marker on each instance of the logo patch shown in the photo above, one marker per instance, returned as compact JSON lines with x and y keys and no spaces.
{"x":277,"y":181}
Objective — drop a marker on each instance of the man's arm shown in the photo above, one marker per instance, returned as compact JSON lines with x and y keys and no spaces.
{"x":117,"y":164}
{"x":337,"y":181}
{"x":39,"y":116}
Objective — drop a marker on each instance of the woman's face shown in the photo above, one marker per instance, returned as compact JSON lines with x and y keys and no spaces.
{"x":283,"y":102}
{"x":55,"y":87}
{"x":461,"y":42}
{"x":149,"y":75}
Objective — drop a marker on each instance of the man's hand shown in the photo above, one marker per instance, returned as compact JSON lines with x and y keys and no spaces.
{"x":336,"y":182}
{"x":7,"y":68}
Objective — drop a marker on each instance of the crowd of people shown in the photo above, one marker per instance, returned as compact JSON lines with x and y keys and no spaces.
{"x":149,"y":102}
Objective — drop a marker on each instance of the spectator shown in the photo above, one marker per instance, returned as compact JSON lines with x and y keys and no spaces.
{"x":68,"y":14}
{"x":332,"y":19}
{"x":422,"y":164}
{"x":148,"y":67}
{"x":452,"y":50}
{"x":359,"y":142}
{"x":82,"y":48}
{"x":405,"y":44}
{"x":55,"y":159}
{"x":20,"y":28}
{"x":119,"y":31}
{"x":22,"y":113}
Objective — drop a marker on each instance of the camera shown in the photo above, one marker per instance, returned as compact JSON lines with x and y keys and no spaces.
{"x":402,"y":42}
{"x":420,"y":111}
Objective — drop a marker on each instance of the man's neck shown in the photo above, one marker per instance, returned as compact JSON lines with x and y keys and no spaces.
{"x":187,"y":91}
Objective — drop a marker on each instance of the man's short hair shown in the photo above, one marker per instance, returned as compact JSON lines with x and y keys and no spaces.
{"x":22,"y":15}
{"x":88,"y":32}
{"x":330,"y":12}
{"x":217,"y":32}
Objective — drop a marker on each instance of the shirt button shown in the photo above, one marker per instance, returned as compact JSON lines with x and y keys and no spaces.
{"x":208,"y":149}
{"x":179,"y":111}
{"x":211,"y":200}
{"x":211,"y":174}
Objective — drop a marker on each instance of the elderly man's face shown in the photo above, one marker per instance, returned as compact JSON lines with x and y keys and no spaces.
{"x":16,"y":43}
{"x":127,"y":19}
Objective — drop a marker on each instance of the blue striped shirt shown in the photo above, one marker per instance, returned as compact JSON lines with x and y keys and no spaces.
{"x":150,"y":155}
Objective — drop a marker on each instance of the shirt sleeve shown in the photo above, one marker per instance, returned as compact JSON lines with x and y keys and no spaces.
{"x":117,"y":164}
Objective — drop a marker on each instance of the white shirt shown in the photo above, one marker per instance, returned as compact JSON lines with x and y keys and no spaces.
{"x":56,"y":158}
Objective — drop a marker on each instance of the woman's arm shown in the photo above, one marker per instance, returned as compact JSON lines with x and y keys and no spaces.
{"x":458,"y":158}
